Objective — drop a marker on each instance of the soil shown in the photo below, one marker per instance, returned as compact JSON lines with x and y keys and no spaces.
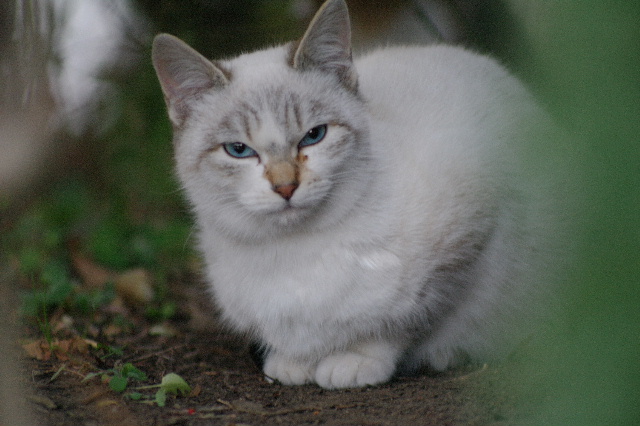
{"x":228,"y":389}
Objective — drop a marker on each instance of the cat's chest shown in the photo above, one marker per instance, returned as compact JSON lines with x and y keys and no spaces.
{"x":301,"y":279}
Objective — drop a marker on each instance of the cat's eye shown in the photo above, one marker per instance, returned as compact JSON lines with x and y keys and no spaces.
{"x":313,"y":136}
{"x":239,"y":150}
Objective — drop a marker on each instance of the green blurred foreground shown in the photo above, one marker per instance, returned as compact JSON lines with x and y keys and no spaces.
{"x":591,"y":50}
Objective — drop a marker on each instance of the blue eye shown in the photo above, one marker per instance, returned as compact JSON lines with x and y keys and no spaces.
{"x":239,"y":150}
{"x":313,"y":136}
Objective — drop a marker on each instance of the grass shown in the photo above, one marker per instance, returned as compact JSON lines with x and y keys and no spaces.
{"x":40,"y":242}
{"x":122,"y":211}
{"x":122,"y":376}
{"x":119,"y":203}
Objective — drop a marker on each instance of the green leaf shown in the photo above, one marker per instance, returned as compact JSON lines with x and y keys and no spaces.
{"x":118,"y":383}
{"x":172,"y":383}
{"x":109,"y":243}
{"x":31,"y":260}
{"x":129,"y":371}
{"x":59,"y":292}
{"x":110,"y":351}
{"x":55,"y":273}
{"x":34,"y":304}
{"x":135,"y":396}
{"x":161,"y":397}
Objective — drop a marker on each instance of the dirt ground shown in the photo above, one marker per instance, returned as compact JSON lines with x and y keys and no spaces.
{"x":228,"y":389}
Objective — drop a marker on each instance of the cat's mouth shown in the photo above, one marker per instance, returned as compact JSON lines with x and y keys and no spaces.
{"x":290,"y":209}
{"x":289,"y":213}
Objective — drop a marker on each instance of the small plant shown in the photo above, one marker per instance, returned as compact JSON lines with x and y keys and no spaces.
{"x":110,"y":351}
{"x":45,"y":242}
{"x":170,"y":384}
{"x":54,"y":286}
{"x":119,"y":379}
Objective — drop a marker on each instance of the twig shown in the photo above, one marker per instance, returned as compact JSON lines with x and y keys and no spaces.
{"x":156,"y":353}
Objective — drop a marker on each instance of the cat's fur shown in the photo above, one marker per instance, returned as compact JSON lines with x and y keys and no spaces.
{"x":406,"y":237}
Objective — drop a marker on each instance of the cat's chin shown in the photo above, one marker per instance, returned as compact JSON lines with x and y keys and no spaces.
{"x":289,"y":215}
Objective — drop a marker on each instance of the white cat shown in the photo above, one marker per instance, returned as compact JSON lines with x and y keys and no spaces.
{"x":362,"y":217}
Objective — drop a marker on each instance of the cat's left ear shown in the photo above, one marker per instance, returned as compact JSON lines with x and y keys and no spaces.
{"x":183,"y":74}
{"x":326,"y":45}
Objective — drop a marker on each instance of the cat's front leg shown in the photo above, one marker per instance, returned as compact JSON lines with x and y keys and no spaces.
{"x":365,"y":364}
{"x":288,"y":371}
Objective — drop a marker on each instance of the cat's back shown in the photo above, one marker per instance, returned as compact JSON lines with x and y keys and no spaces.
{"x":447,"y":123}
{"x":444,"y":99}
{"x":439,"y":83}
{"x":436,"y":72}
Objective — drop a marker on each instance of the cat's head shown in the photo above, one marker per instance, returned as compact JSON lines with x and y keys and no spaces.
{"x":271,"y":140}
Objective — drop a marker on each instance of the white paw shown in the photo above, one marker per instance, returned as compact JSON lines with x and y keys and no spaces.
{"x":286,"y":371}
{"x":350,"y":370}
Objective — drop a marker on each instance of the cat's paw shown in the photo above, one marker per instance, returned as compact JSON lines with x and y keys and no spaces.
{"x":350,"y":370}
{"x":286,"y":371}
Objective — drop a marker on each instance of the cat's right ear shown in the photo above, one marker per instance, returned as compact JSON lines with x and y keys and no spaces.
{"x":183,"y":74}
{"x":326,"y":45}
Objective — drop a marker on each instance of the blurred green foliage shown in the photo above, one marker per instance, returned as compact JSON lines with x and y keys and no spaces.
{"x":590,"y":364}
{"x":119,"y":203}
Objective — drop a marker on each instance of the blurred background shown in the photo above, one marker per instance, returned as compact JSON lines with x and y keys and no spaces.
{"x":86,"y":156}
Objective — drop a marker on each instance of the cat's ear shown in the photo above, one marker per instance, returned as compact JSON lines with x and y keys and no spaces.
{"x":183,"y":74}
{"x":326,"y":45}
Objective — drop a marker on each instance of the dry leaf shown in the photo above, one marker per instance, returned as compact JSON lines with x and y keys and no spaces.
{"x":94,"y":396}
{"x":163,"y":330}
{"x":91,"y":274}
{"x":67,"y":347}
{"x":65,"y":322}
{"x":43,"y":401}
{"x":134,"y":286}
{"x":77,"y":345}
{"x":112,"y":330}
{"x":106,"y":402}
{"x":62,"y":349}
{"x":195,"y":391}
{"x":38,"y":349}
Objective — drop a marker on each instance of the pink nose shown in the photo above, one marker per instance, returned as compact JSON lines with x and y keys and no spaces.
{"x":286,"y":191}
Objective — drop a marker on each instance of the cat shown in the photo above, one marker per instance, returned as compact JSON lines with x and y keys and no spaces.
{"x":359,"y":218}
